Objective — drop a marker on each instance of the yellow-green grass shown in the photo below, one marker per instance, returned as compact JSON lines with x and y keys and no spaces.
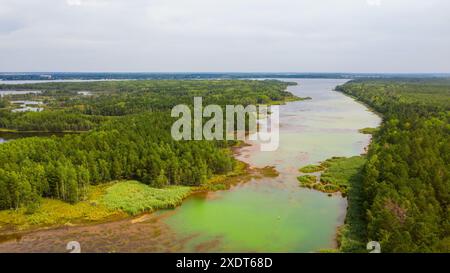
{"x":112,"y":201}
{"x":134,"y":197}
{"x":336,"y":174}
{"x":307,"y":181}
{"x":340,"y":171}
{"x":368,"y":131}
{"x":312,"y":168}
{"x":53,"y":212}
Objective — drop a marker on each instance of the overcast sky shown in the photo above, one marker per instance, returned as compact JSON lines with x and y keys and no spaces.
{"x":225,"y":35}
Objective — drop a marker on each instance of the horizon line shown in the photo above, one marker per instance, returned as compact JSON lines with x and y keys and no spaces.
{"x":226,"y":72}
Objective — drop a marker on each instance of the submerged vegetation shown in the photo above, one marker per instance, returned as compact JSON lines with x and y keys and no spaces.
{"x":405,"y":182}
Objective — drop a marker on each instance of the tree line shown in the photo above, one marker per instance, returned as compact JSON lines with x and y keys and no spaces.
{"x":66,"y":109}
{"x":406,"y":179}
{"x":128,"y":124}
{"x":49,"y":121}
{"x":133,"y":147}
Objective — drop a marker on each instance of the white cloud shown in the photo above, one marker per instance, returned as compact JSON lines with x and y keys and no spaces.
{"x":86,"y":2}
{"x":225,"y":35}
{"x":373,"y":2}
{"x":74,"y":2}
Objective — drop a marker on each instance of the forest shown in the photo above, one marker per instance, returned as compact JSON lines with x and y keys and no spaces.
{"x":406,"y":179}
{"x":49,"y":121}
{"x":67,"y":110}
{"x":128,"y":137}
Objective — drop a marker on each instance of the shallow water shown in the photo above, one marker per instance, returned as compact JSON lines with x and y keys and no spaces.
{"x":275,"y":214}
{"x":263,"y":215}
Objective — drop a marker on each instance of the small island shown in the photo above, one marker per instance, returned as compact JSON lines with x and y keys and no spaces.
{"x":333,"y":175}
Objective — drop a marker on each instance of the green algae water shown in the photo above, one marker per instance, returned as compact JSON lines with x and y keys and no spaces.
{"x":270,"y":214}
{"x":275,"y":214}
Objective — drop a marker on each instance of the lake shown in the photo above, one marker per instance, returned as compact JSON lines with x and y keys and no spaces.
{"x":262,"y":215}
{"x":275,"y":214}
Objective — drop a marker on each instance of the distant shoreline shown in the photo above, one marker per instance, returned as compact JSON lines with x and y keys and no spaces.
{"x":36,"y":77}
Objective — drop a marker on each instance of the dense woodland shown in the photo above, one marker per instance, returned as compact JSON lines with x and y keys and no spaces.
{"x":129,"y":137}
{"x":49,"y":121}
{"x":116,"y":98}
{"x":406,"y":179}
{"x":406,"y":184}
{"x":72,"y":111}
{"x":133,"y":147}
{"x":3,"y":103}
